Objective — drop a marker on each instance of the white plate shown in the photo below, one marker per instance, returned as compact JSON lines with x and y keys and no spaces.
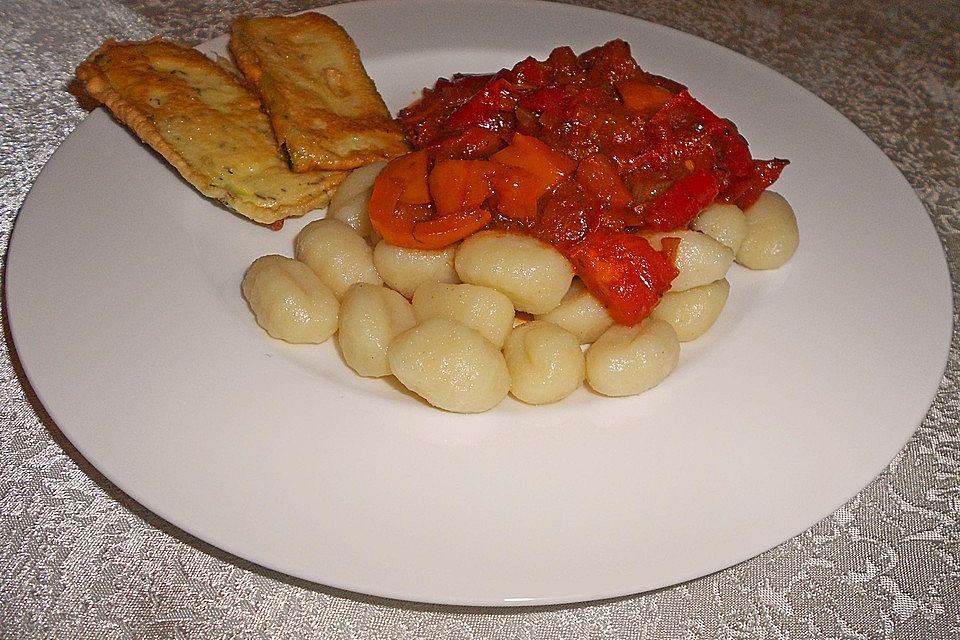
{"x":125,"y":309}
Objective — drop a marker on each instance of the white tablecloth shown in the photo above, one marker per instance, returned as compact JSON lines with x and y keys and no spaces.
{"x":78,"y":559}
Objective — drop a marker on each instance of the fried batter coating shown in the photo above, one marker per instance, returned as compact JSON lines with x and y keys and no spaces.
{"x":205,"y":122}
{"x":323,"y":106}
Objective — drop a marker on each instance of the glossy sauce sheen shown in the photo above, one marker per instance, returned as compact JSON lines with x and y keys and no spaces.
{"x":581,"y":152}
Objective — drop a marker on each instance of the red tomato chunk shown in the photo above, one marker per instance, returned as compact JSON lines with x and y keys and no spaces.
{"x":581,"y":152}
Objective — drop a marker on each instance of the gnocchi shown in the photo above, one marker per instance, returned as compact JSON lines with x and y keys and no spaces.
{"x":336,"y":254}
{"x":629,"y":360}
{"x":545,"y":362}
{"x":692,"y":312}
{"x":289,"y":301}
{"x":349,"y":202}
{"x":450,"y":365}
{"x":700,"y":259}
{"x":725,"y":223}
{"x":483,"y":309}
{"x":498,"y":314}
{"x":580,"y":313}
{"x":371,"y":316}
{"x":532,"y":274}
{"x":772,"y":234}
{"x":406,"y":269}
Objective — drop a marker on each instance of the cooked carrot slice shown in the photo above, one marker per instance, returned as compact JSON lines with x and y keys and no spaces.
{"x":411,"y":171}
{"x":459,"y":185}
{"x":384,"y":211}
{"x":442,"y":231}
{"x":405,"y":213}
{"x":642,"y":97}
{"x":517,"y":192}
{"x":529,"y":153}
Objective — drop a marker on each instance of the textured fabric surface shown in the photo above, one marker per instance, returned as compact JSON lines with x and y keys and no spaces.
{"x":78,"y":559}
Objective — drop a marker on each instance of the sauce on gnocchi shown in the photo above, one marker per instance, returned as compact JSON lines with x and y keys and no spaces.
{"x":581,"y":152}
{"x":560,"y":223}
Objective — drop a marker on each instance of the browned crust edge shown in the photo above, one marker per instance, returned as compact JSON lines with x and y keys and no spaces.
{"x":97,"y":85}
{"x":251,"y":67}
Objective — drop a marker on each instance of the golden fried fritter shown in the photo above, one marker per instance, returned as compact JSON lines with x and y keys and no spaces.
{"x":322,"y":104}
{"x":207,"y":123}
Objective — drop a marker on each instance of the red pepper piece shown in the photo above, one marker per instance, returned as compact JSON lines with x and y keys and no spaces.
{"x":529,"y":73}
{"x":679,"y":205}
{"x":598,"y":175}
{"x":563,"y":64}
{"x":624,"y":272}
{"x":745,"y":191}
{"x":544,"y":98}
{"x":462,"y":86}
{"x":486,"y":108}
{"x":423,"y":120}
{"x":568,"y":215}
{"x":609,"y":63}
{"x":683,"y":111}
{"x":473,"y":143}
{"x":735,"y":153}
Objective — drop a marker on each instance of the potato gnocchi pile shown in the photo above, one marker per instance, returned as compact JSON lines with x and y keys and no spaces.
{"x":498,"y":313}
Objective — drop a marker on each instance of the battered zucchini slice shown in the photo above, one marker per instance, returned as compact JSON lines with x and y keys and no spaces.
{"x":207,"y":123}
{"x":323,"y":106}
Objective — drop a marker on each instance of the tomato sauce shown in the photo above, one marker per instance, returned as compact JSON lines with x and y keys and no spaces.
{"x":580,"y":151}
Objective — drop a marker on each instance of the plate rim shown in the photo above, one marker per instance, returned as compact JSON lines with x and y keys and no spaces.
{"x":13,"y":251}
